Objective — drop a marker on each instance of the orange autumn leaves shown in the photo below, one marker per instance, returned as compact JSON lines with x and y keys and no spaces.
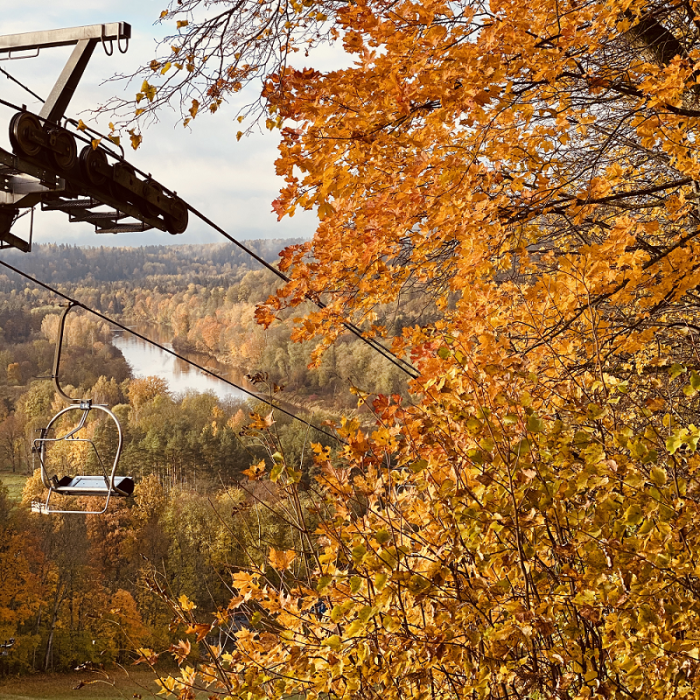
{"x":522,"y":522}
{"x":282,"y":560}
{"x":468,"y":142}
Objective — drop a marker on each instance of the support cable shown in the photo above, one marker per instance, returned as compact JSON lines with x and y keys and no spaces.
{"x":21,"y":84}
{"x":400,"y":363}
{"x":170,"y":352}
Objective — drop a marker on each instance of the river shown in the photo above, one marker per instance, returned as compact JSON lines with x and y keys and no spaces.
{"x":147,"y":360}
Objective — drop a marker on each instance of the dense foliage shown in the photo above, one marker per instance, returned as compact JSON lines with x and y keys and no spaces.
{"x":527,"y":525}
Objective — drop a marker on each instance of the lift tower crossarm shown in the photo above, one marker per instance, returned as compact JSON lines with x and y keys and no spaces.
{"x":84,"y":39}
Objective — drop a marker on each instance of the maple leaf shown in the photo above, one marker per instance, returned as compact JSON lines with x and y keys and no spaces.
{"x":255,"y":471}
{"x":181,"y":650}
{"x":281,"y":560}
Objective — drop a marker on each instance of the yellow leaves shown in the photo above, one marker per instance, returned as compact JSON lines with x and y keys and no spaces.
{"x":194,"y":108}
{"x":200,"y":630}
{"x":683,"y":437}
{"x":658,"y":476}
{"x":633,"y":515}
{"x":135,"y":138}
{"x":182,"y":23}
{"x":186,"y":605}
{"x":168,"y":685}
{"x":181,"y":650}
{"x":147,"y":90}
{"x":147,"y":656}
{"x":281,"y":560}
{"x":255,"y":471}
{"x":334,"y":642}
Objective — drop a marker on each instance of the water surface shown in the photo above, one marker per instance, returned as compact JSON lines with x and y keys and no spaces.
{"x":147,"y":360}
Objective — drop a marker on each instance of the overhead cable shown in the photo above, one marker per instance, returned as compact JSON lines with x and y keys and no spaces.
{"x":100,"y":315}
{"x":21,"y":84}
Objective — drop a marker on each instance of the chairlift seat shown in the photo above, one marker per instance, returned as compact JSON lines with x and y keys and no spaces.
{"x":94,"y":486}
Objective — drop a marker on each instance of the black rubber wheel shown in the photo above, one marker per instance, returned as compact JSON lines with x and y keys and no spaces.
{"x":93,"y":162}
{"x":64,"y":152}
{"x":176,"y":221}
{"x":24,"y":126}
{"x":155,"y":192}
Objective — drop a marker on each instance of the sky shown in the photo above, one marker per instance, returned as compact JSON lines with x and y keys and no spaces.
{"x":232,"y":182}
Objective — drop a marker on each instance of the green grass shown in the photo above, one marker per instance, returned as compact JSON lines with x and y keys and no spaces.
{"x":15,"y":484}
{"x":112,"y":685}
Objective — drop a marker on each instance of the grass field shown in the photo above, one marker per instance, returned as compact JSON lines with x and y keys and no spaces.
{"x":15,"y":484}
{"x":113,"y":685}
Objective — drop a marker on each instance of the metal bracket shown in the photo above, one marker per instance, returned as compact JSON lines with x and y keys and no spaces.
{"x":46,"y":167}
{"x":84,"y":39}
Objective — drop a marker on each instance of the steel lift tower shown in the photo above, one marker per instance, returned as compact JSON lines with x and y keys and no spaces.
{"x":96,"y":185}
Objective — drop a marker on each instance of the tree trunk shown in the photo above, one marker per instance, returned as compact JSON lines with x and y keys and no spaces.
{"x":48,"y":659}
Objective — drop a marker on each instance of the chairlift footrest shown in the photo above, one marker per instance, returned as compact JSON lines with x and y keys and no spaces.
{"x":94,"y":486}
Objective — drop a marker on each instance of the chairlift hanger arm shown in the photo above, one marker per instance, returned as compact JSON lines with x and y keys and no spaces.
{"x":84,"y":39}
{"x":57,"y":356}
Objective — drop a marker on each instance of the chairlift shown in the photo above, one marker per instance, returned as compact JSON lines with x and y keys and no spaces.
{"x":105,"y":485}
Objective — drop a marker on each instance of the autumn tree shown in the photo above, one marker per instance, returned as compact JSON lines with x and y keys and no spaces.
{"x":525,"y":525}
{"x":12,"y":439}
{"x":20,"y":562}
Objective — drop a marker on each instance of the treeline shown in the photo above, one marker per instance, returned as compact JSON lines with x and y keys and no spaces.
{"x":72,"y":265}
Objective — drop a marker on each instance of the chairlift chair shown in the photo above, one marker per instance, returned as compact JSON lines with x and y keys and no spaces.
{"x":104,"y":485}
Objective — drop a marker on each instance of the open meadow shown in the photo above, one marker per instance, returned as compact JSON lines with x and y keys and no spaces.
{"x":14,"y":484}
{"x":83,"y":685}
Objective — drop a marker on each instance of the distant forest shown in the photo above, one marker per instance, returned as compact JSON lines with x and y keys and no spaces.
{"x":67,"y":264}
{"x":202,"y":298}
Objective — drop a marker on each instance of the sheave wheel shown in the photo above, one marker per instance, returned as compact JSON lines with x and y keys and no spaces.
{"x":176,"y":221}
{"x":94,"y":164}
{"x":64,"y":152}
{"x":155,"y":192}
{"x":26,"y":134}
{"x":124,"y":173}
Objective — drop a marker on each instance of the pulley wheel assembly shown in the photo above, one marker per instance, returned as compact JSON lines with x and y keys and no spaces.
{"x":26,"y":134}
{"x":64,"y":152}
{"x":94,"y":164}
{"x":176,"y":220}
